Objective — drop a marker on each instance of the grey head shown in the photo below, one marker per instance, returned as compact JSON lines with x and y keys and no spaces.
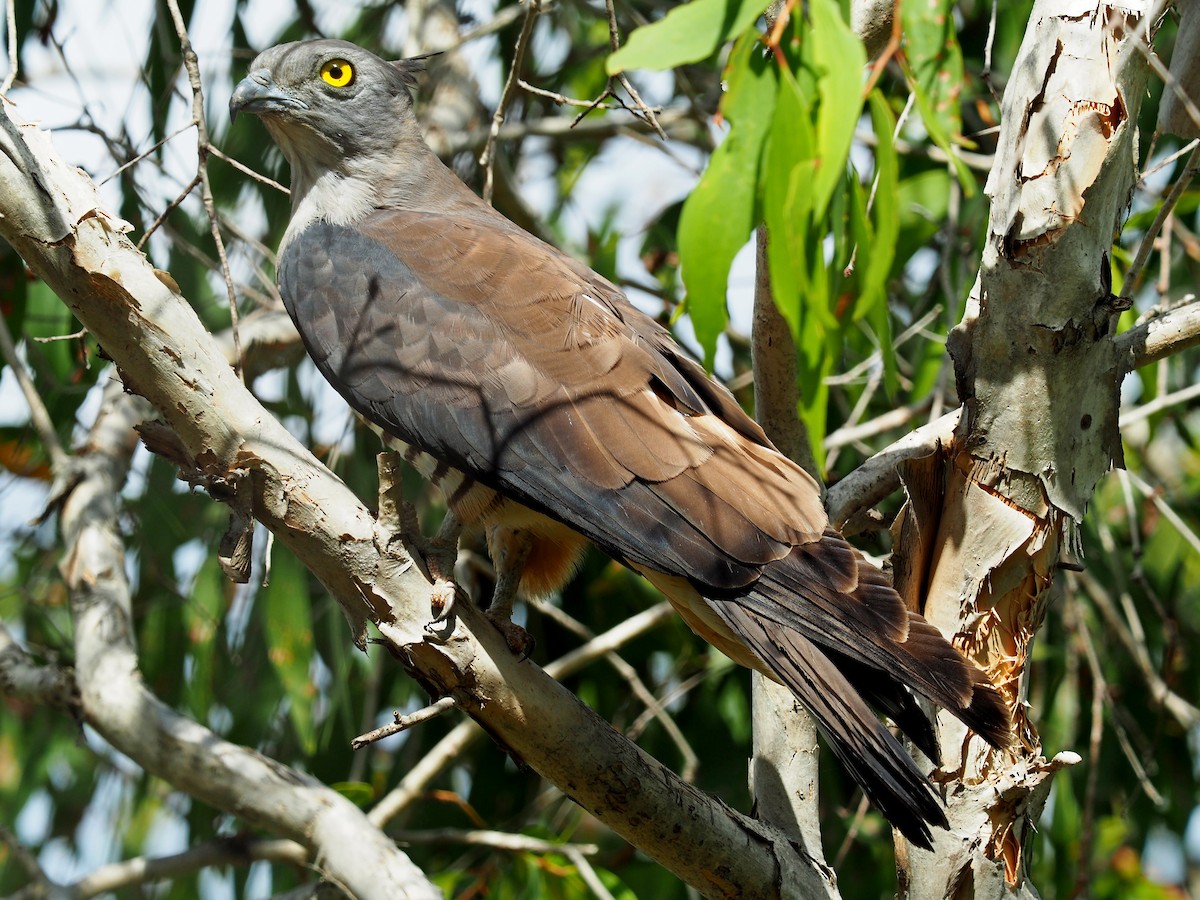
{"x":329,"y":102}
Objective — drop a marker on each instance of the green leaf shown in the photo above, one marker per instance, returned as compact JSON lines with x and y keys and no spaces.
{"x":289,"y":633}
{"x":789,"y":163}
{"x":202,"y":615}
{"x":839,"y":57}
{"x":359,"y":793}
{"x":935,"y":69}
{"x":719,"y":215}
{"x":876,"y":266}
{"x":687,"y":34}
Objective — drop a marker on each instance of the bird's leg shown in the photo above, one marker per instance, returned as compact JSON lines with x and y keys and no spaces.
{"x":398,"y":521}
{"x":510,"y":548}
{"x":442,"y":555}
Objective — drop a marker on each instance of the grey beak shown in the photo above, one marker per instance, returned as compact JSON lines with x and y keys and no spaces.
{"x":257,"y":93}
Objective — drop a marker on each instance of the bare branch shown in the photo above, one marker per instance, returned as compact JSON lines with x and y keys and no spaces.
{"x":145,"y":153}
{"x":487,"y":159}
{"x":10,"y":17}
{"x":614,"y":44}
{"x":40,"y":883}
{"x":878,"y":477}
{"x":1161,"y":336}
{"x":776,"y":382}
{"x":678,"y":123}
{"x":1180,"y":709}
{"x":496,"y":840}
{"x":629,"y":674}
{"x":167,"y":210}
{"x":246,"y":170}
{"x":234,"y":851}
{"x":24,"y":678}
{"x":117,"y":704}
{"x":403,"y":723}
{"x":1133,"y":277}
{"x":203,"y":145}
{"x":1158,"y":404}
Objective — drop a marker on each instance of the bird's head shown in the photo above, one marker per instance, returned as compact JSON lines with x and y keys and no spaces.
{"x":329,"y":103}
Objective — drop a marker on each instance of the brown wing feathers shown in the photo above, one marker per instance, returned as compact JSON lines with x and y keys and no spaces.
{"x":491,"y":352}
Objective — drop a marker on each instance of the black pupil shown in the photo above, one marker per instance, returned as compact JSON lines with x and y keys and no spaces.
{"x":335,"y":72}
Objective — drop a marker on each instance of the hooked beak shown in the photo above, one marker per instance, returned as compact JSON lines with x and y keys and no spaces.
{"x":258,"y":94}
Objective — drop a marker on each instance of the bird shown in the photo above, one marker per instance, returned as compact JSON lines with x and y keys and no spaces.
{"x":553,"y":414}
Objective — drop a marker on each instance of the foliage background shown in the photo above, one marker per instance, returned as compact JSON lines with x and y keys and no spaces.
{"x":271,"y":667}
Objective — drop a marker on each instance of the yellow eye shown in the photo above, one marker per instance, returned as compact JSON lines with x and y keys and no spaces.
{"x":337,"y":72}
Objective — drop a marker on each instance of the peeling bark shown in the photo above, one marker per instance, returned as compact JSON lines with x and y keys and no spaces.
{"x":1038,"y":372}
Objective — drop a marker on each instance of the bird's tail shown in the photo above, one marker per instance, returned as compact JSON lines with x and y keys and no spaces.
{"x":827,"y":624}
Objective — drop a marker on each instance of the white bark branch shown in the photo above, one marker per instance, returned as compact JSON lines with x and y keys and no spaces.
{"x":1038,"y":371}
{"x":51,"y":215}
{"x":117,"y":704}
{"x":23,"y":678}
{"x":221,"y":852}
{"x":784,"y":767}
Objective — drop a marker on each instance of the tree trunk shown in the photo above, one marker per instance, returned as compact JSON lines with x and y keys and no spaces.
{"x":1038,"y":373}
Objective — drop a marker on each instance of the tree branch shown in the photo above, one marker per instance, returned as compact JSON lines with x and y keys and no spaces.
{"x":24,"y":678}
{"x":1159,"y":337}
{"x":117,"y":704}
{"x":234,"y":851}
{"x":53,"y":219}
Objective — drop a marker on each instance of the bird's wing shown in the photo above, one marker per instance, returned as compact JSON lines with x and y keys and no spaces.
{"x":496,"y":354}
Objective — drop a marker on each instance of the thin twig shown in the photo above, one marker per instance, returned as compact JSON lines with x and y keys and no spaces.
{"x":854,"y":418}
{"x":681,"y":121}
{"x":38,"y":414}
{"x":137,"y":159}
{"x":202,"y":150}
{"x":900,"y":120}
{"x":1135,"y":762}
{"x":1133,"y":277}
{"x":587,"y":873}
{"x":170,"y":207}
{"x":876,"y":358}
{"x":24,"y":858}
{"x":13,"y":55}
{"x":62,"y":337}
{"x":246,"y":170}
{"x":685,"y":687}
{"x":893,"y":418}
{"x":860,"y":814}
{"x":403,"y":723}
{"x":980,"y":162}
{"x":217,"y":853}
{"x":1169,"y":81}
{"x":1158,"y":404}
{"x":986,"y":74}
{"x":614,"y":43}
{"x":1166,"y":161}
{"x":643,"y":693}
{"x":487,"y":158}
{"x":464,"y":734}
{"x":1094,"y":741}
{"x":563,"y":100}
{"x":1180,"y":709}
{"x":495,"y":840}
{"x":1169,"y":514}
